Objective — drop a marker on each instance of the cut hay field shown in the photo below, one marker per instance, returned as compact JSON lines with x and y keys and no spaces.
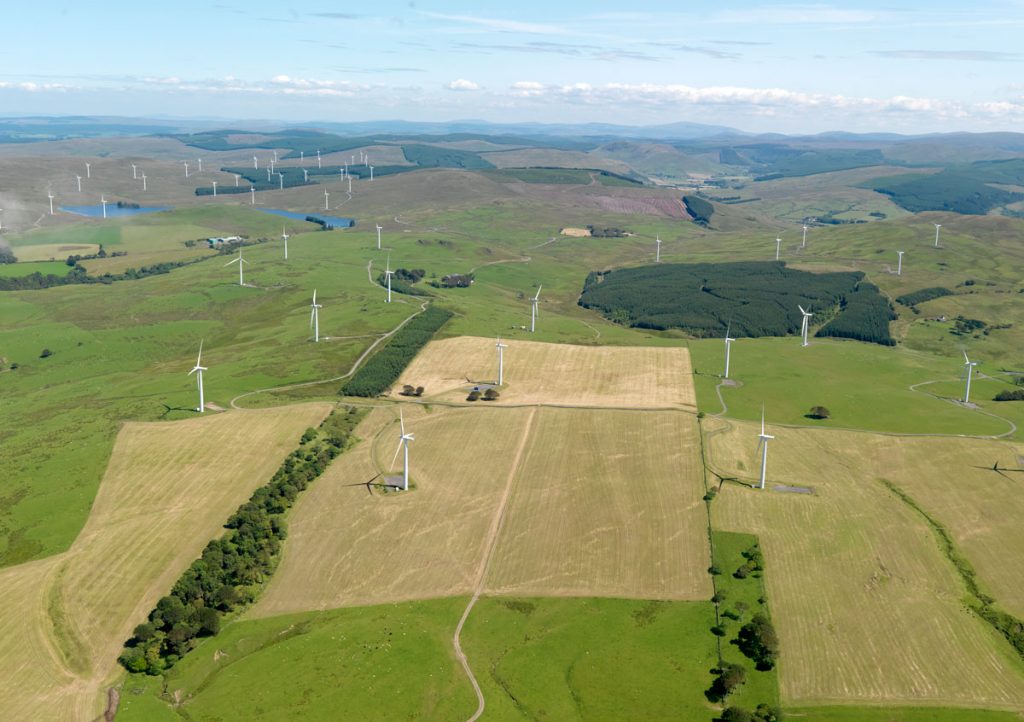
{"x":606,"y":503}
{"x":53,"y":252}
{"x":867,"y":608}
{"x":167,"y":491}
{"x":555,"y":374}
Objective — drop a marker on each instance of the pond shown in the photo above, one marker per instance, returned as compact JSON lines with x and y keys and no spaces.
{"x":336,"y":221}
{"x":113,"y":211}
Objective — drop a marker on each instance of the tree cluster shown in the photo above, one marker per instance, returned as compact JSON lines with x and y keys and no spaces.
{"x":78,"y":274}
{"x":409,"y":390}
{"x":231,"y":569}
{"x":1009,"y":395}
{"x":384,"y":367}
{"x":754,"y":563}
{"x":729,"y":677}
{"x":456,"y":280}
{"x":763,"y":713}
{"x":699,"y":209}
{"x":757,"y":639}
{"x":923,"y":294}
{"x":610,"y":232}
{"x":864,"y":315}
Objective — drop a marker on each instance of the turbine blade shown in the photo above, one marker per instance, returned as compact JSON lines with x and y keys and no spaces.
{"x":312,"y":315}
{"x":762,"y":419}
{"x":801,"y":309}
{"x":199,"y":358}
{"x":966,"y":360}
{"x":401,"y":420}
{"x":395,"y":457}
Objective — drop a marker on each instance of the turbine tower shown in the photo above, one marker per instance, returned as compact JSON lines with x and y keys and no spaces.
{"x":143,"y":182}
{"x":728,"y":348}
{"x":280,"y":177}
{"x":103,"y":200}
{"x":134,"y":172}
{"x":200,"y":160}
{"x":185,"y":162}
{"x":350,"y":185}
{"x":501,"y":360}
{"x":388,"y":274}
{"x":762,"y":445}
{"x":970,"y":372}
{"x":198,"y":369}
{"x":49,"y":194}
{"x":371,"y":172}
{"x":240,"y":261}
{"x":305,"y":176}
{"x":899,"y":263}
{"x":937,"y":227}
{"x":284,"y":235}
{"x":252,"y":192}
{"x":804,"y":324}
{"x":79,"y":179}
{"x":236,"y":180}
{"x":255,"y":163}
{"x":314,"y":318}
{"x":378,"y":237}
{"x":326,"y":199}
{"x":778,"y":247}
{"x":657,"y":252}
{"x":88,"y":170}
{"x":803,"y":243}
{"x":214,"y":188}
{"x":534,"y":310}
{"x":318,"y":158}
{"x":403,"y":441}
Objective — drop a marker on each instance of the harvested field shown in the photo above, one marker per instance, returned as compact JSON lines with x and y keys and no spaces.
{"x":54,"y":251}
{"x":575,"y":232}
{"x":671,"y":207}
{"x":168,"y":489}
{"x":607,"y":503}
{"x":867,"y":607}
{"x":556,"y":374}
{"x":349,"y":547}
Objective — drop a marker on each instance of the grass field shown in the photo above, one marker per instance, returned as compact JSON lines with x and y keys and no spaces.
{"x":591,"y":659}
{"x":606,"y":503}
{"x":58,"y":252}
{"x":865,"y":386}
{"x":867,"y":608}
{"x":555,"y":373}
{"x":15,"y":270}
{"x":369,"y":663}
{"x":167,"y":491}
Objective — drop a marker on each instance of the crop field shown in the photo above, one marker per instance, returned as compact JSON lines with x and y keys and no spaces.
{"x":52,"y":252}
{"x":606,"y":503}
{"x":14,"y":270}
{"x":867,"y":608}
{"x":554,"y":374}
{"x":348,"y":546}
{"x":167,"y":491}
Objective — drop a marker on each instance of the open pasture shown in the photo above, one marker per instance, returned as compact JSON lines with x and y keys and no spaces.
{"x":54,"y":252}
{"x":555,"y":374}
{"x":867,"y":608}
{"x":606,"y":503}
{"x":167,"y":491}
{"x":351,"y":543}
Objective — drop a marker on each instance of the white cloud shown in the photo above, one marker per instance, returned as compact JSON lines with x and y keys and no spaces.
{"x":462,"y":84}
{"x":512,"y":26}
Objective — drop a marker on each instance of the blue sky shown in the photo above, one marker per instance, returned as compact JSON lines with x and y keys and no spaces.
{"x":809,"y":67}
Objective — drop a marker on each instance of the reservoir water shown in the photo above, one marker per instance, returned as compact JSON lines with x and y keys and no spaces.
{"x":113,"y":211}
{"x":336,"y":221}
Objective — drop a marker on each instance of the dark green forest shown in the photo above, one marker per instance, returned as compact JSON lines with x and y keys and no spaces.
{"x":962,"y":189}
{"x":751,"y":298}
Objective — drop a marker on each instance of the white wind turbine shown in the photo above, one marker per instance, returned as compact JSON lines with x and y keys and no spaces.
{"x":778,"y":247}
{"x":79,"y":179}
{"x":970,"y":372}
{"x":350,"y":185}
{"x":284,"y":235}
{"x":185,"y":162}
{"x":403,"y":441}
{"x":302,"y":157}
{"x":200,"y":160}
{"x":388,"y":273}
{"x":899,"y":263}
{"x":143,"y":182}
{"x":280,"y":177}
{"x":318,"y":158}
{"x":804,"y":323}
{"x":255,"y":163}
{"x":198,"y":369}
{"x":214,"y":188}
{"x":728,"y":348}
{"x":762,"y":445}
{"x":657,"y":253}
{"x":268,"y":174}
{"x":314,"y":318}
{"x":236,"y":180}
{"x":134,"y":172}
{"x":937,"y":227}
{"x":49,"y":194}
{"x":378,"y":237}
{"x":305,"y":175}
{"x":275,"y":156}
{"x":103,"y":201}
{"x":534,"y":310}
{"x":271,"y":167}
{"x":501,"y":360}
{"x":240,"y":261}
{"x":803,"y":243}
{"x":327,"y":197}
{"x":88,"y":170}
{"x":341,"y":175}
{"x":371,"y":172}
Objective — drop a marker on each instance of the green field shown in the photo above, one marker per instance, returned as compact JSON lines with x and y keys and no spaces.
{"x":16,"y":270}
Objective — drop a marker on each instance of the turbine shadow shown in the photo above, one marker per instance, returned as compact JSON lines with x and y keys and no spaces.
{"x":169,"y":409}
{"x":369,"y":484}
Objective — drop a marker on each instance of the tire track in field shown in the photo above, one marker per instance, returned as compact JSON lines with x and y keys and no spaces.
{"x":485,"y":562}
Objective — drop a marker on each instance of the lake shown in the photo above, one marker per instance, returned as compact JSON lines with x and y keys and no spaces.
{"x":336,"y":221}
{"x":113,"y":211}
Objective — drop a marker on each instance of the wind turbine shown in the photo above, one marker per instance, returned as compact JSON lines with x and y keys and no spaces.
{"x":284,"y":235}
{"x":280,"y":177}
{"x":318,"y":158}
{"x":970,"y":372}
{"x":728,"y":348}
{"x":255,"y":163}
{"x":268,"y":174}
{"x":185,"y":162}
{"x":236,"y":180}
{"x":762,"y":445}
{"x":305,"y":175}
{"x":350,"y":185}
{"x":403,"y":441}
{"x":252,"y":193}
{"x":327,"y":197}
{"x":200,"y":160}
{"x":272,"y":170}
{"x":341,"y":175}
{"x":937,"y":227}
{"x":49,"y":194}
{"x":778,"y":247}
{"x":214,"y":188}
{"x":314,"y":318}
{"x":899,"y":263}
{"x":501,"y":360}
{"x":302,"y":157}
{"x":804,"y":324}
{"x":371,"y":172}
{"x":275,"y":156}
{"x":803,"y":243}
{"x":378,"y":237}
{"x":143,"y":182}
{"x":239,"y":261}
{"x":198,"y":369}
{"x":79,"y":178}
{"x":134,"y":173}
{"x":388,"y":274}
{"x":103,"y":200}
{"x":657,"y":253}
{"x":88,"y":171}
{"x":534,"y":310}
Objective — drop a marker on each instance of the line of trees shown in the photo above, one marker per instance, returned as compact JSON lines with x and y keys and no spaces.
{"x":864,"y":315}
{"x":384,"y":367}
{"x":923,"y":294}
{"x":231,"y":570}
{"x":79,"y":274}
